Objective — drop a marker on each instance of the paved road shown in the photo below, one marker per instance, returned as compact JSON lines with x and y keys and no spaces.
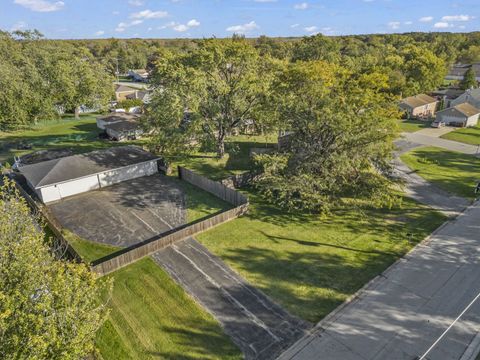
{"x":260,"y":328}
{"x":429,"y":140}
{"x":403,"y":312}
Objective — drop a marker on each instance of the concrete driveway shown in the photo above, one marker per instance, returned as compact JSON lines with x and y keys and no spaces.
{"x":259,"y":327}
{"x":434,"y":132}
{"x":428,"y":140}
{"x":406,"y":309}
{"x":126,"y":213}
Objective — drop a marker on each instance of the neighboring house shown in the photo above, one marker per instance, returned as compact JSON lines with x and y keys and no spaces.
{"x":122,"y":92}
{"x":460,"y":115}
{"x":59,"y":178}
{"x":115,"y":117}
{"x":446,"y":96}
{"x":471,"y":96}
{"x":139,"y":75}
{"x":457,"y":71}
{"x":419,"y":106}
{"x":143,"y":95}
{"x":124,"y":130}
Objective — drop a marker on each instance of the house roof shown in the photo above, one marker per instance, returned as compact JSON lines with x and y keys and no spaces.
{"x":449,"y":93}
{"x":119,"y":116}
{"x":126,"y":125}
{"x":123,"y":88}
{"x":72,"y":167}
{"x":141,"y":72}
{"x":418,"y":100}
{"x":467,"y":109}
{"x":461,"y":69}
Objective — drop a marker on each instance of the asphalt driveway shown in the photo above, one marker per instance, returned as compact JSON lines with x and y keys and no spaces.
{"x":126,"y":213}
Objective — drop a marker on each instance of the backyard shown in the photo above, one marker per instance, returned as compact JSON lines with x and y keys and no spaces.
{"x":77,"y":135}
{"x":454,"y":172}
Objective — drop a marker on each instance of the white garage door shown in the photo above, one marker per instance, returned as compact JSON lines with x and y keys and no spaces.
{"x":78,"y":186}
{"x":127,"y":173}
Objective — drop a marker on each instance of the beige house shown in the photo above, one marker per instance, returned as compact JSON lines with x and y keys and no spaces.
{"x":419,"y":106}
{"x":464,"y":115}
{"x":115,"y":117}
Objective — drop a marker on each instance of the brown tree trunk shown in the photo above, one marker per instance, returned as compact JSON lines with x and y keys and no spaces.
{"x":221,"y":144}
{"x":77,"y":112}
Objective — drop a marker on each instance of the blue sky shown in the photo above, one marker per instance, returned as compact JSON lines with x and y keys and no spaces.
{"x":205,"y":18}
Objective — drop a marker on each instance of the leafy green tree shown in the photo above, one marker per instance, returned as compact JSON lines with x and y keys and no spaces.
{"x":49,"y":308}
{"x":469,"y":80}
{"x":220,"y":85}
{"x":340,"y":131}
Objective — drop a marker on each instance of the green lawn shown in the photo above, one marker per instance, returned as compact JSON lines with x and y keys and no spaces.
{"x":469,"y":135}
{"x":236,"y":161}
{"x":413,"y":125}
{"x":454,"y":172}
{"x":78,"y":135}
{"x":311,"y":264}
{"x":152,"y":318}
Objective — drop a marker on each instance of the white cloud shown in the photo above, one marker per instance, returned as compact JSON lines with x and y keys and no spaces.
{"x":310,"y":29}
{"x":426,"y":19}
{"x":193,"y":23}
{"x":180,"y":27}
{"x":116,"y":12}
{"x":41,"y":5}
{"x":149,"y":14}
{"x":294,"y":26}
{"x":408,"y":22}
{"x":394,"y":25}
{"x":136,"y":2}
{"x":441,"y":25}
{"x":121,"y":27}
{"x":99,"y":32}
{"x":242,"y":29}
{"x":301,"y":6}
{"x":457,"y":18}
{"x":462,"y":27}
{"x":19,"y":25}
{"x":265,"y":1}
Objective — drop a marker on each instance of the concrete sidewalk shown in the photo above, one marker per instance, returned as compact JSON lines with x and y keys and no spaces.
{"x":428,"y":140}
{"x":405,"y":310}
{"x":259,"y":327}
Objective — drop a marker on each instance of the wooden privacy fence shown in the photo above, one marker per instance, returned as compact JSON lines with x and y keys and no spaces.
{"x":135,"y":252}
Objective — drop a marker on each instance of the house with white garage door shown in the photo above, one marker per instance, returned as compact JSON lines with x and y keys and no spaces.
{"x":463,"y":115}
{"x":59,"y":178}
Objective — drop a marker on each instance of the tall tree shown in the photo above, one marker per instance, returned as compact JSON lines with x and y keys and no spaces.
{"x":49,"y":308}
{"x":469,"y":80}
{"x":340,"y":130}
{"x":220,"y":84}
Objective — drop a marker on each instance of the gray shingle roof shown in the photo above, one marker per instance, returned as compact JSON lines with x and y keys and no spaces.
{"x":76,"y":166}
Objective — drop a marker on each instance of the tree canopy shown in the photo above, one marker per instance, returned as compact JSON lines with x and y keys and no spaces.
{"x":49,"y":308}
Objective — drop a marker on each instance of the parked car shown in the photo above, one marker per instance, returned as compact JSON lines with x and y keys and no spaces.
{"x":438,"y":124}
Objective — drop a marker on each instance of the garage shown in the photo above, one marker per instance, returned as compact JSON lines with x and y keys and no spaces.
{"x":464,"y":115}
{"x":60,"y":178}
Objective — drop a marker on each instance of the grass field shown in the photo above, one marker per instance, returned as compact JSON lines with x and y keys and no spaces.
{"x":77,"y":135}
{"x":413,"y":125}
{"x":469,"y":135}
{"x":311,"y":265}
{"x":454,"y":172}
{"x":152,"y":318}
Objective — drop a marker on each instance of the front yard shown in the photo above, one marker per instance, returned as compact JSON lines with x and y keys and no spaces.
{"x":454,"y":172}
{"x":413,"y":125}
{"x":469,"y":135}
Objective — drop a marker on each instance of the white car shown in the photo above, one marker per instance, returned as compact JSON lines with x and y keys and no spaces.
{"x":438,"y":124}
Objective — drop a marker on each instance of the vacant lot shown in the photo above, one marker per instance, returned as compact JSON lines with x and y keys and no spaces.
{"x":308,"y":263}
{"x":469,"y":135}
{"x":152,"y":318}
{"x":454,"y":172}
{"x":77,"y":135}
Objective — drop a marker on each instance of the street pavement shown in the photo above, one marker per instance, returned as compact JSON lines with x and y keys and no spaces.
{"x":429,"y":140}
{"x":407,"y":308}
{"x":259,"y":327}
